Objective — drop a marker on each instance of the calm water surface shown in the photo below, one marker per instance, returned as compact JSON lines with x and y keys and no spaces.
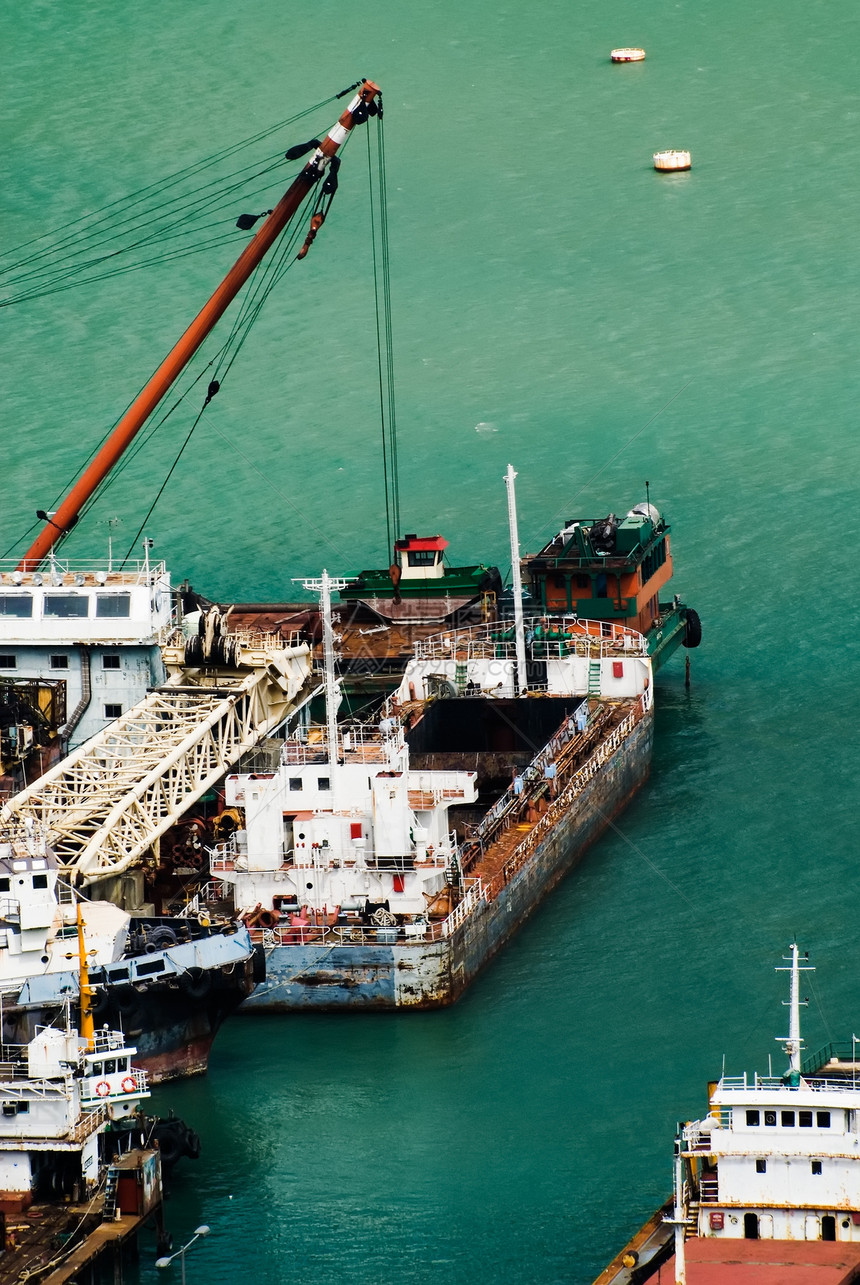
{"x":558,"y":305}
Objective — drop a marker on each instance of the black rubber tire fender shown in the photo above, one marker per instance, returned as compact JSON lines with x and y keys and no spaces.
{"x":693,"y":630}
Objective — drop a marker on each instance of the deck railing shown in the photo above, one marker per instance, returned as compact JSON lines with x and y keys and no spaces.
{"x":545,"y":640}
{"x":490,"y":889}
{"x":817,"y":1083}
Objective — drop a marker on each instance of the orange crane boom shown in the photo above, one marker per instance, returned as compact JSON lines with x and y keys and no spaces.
{"x":177,"y":359}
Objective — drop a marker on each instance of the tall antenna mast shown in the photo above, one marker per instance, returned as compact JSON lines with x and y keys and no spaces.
{"x":323,"y":586}
{"x":519,"y":631}
{"x":61,"y":522}
{"x":793,"y":1043}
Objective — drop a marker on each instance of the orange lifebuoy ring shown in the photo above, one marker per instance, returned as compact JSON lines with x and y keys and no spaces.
{"x":103,"y":1089}
{"x":129,"y":1084}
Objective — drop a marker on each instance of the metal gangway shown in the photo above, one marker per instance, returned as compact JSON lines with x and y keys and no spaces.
{"x":106,"y":804}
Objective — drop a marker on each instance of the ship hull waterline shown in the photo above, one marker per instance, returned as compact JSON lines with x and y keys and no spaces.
{"x":433,"y":974}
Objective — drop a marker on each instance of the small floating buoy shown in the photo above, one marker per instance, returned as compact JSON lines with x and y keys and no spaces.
{"x":671,"y":162}
{"x":627,"y":55}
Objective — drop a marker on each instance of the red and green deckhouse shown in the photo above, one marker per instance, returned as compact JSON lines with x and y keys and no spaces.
{"x":615,"y":570}
{"x":418,"y":586}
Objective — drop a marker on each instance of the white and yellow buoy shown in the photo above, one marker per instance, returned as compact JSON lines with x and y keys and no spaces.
{"x":671,"y":162}
{"x":627,"y":55}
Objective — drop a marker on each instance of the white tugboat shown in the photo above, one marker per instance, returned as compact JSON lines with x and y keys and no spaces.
{"x":767,"y":1184}
{"x":59,"y":1094}
{"x":168,"y":981}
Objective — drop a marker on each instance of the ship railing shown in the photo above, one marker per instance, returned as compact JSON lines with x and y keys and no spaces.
{"x":356,"y":742}
{"x":830,"y":1056}
{"x":89,"y":1121}
{"x":262,"y":640}
{"x":222,"y":857}
{"x":698,"y":1138}
{"x":107,"y":1041}
{"x":816,"y":1083}
{"x":117,"y":1093}
{"x":545,"y":639}
{"x":508,"y":802}
{"x":335,"y":935}
{"x":214,"y":890}
{"x":90,"y":568}
{"x":488,"y":890}
{"x":10,"y":910}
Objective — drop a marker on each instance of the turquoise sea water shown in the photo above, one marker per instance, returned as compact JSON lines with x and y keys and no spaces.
{"x":560,"y":306}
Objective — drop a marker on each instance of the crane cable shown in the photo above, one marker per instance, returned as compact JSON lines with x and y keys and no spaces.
{"x":384,"y":334}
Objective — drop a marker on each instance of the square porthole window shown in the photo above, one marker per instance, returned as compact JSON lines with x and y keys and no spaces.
{"x":753,"y":1117}
{"x":113,"y":711}
{"x":295,"y":782}
{"x":323,"y":783}
{"x":805,"y":1119}
{"x":816,"y":1166}
{"x":110,"y":661}
{"x":788,"y":1119}
{"x":761,"y":1166}
{"x":770,"y":1119}
{"x":822,"y":1119}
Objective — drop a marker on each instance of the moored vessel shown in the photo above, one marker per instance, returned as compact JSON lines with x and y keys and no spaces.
{"x":766,"y":1184}
{"x":381,"y":867}
{"x":615,"y":569}
{"x":168,"y":982}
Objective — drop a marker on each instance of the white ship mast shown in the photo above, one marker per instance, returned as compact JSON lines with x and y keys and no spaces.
{"x":793,"y":1042}
{"x":323,"y":586}
{"x":519,"y":631}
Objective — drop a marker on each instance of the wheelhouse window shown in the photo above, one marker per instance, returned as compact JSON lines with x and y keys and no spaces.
{"x":323,"y":783}
{"x":40,"y":881}
{"x":16,"y":604}
{"x":66,"y":605}
{"x":822,"y":1119}
{"x":805,"y":1119}
{"x":770,"y":1119}
{"x":110,"y":661}
{"x":788,"y":1119}
{"x":113,"y":604}
{"x":421,"y":557}
{"x":295,"y":782}
{"x":753,"y":1117}
{"x":59,"y":662}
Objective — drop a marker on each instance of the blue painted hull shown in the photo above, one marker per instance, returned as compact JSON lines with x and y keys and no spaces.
{"x":431,"y":974}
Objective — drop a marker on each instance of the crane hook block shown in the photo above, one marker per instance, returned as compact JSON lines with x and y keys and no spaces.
{"x":316,"y":223}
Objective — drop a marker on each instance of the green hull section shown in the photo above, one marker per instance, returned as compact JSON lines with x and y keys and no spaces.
{"x":457,"y":582}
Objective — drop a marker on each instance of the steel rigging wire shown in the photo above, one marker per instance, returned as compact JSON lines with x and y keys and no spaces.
{"x":384,"y":335}
{"x":260,"y":286}
{"x":159,"y":217}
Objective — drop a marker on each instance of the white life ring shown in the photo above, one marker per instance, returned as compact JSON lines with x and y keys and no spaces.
{"x":129,"y":1084}
{"x":103,"y":1089}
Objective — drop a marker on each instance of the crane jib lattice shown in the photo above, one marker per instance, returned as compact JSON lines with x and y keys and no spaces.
{"x":105,"y":805}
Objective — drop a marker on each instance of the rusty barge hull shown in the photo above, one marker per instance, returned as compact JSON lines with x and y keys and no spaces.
{"x":432,"y":974}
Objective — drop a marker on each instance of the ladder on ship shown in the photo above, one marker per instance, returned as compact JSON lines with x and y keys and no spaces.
{"x":594,"y":677}
{"x":111,"y":1193}
{"x":106,"y":804}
